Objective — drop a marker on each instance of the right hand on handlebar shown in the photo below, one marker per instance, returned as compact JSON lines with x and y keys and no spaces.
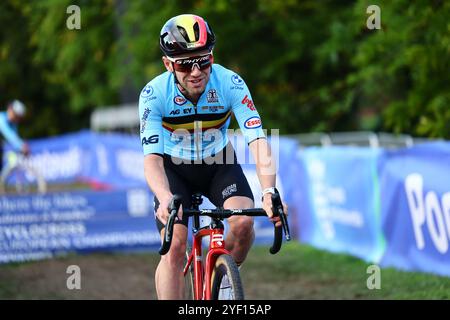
{"x":163,"y":209}
{"x":174,"y":204}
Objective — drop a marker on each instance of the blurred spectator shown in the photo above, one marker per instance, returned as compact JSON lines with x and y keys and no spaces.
{"x":9,"y":120}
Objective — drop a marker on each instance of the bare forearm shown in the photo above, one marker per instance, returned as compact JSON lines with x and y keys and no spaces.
{"x":156,"y":176}
{"x":266,"y":168}
{"x":265,"y":163}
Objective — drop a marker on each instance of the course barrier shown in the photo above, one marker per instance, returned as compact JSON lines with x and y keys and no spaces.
{"x":390,"y":207}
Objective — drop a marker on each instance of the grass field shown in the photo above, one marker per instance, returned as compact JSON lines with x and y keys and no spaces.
{"x":297,"y":272}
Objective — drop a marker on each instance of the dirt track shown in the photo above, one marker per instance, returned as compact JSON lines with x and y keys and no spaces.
{"x":103,"y":276}
{"x":109,"y":276}
{"x":296,"y":272}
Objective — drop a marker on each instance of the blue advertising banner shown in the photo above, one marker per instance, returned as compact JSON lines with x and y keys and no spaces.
{"x":40,"y":226}
{"x":119,"y":161}
{"x":342,"y":213}
{"x":415,"y":191}
{"x":112,"y":159}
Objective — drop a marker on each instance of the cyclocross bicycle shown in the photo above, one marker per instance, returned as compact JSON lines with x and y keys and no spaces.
{"x":20,"y":177}
{"x":205,"y":279}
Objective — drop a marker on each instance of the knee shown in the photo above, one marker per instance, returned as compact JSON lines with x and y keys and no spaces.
{"x":242,"y":227}
{"x":176,"y":255}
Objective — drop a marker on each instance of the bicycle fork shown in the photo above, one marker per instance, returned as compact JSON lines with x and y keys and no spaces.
{"x":216,"y":248}
{"x":202,"y":276}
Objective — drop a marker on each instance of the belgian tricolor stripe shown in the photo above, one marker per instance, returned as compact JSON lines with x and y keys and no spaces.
{"x":208,"y":121}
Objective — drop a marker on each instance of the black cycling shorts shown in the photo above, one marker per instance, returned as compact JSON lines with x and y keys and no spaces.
{"x":216,"y":181}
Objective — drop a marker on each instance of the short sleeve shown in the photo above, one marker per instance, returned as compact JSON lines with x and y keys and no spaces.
{"x":150,"y":115}
{"x":245,"y":110}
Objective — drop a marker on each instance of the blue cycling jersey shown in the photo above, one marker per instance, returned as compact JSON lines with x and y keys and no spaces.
{"x":9,"y":132}
{"x":173,"y":125}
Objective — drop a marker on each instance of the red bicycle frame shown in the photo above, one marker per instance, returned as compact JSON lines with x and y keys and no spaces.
{"x":202,"y":275}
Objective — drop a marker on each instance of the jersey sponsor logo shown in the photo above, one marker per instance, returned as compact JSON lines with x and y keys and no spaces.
{"x":212,"y":96}
{"x":143,"y":125}
{"x":146,"y":113}
{"x":179,"y":100}
{"x":252,"y":123}
{"x":236,"y":87}
{"x":147,"y":91}
{"x":178,"y":111}
{"x":237,"y":80}
{"x":248,"y":102}
{"x":149,"y":99}
{"x":212,"y":108}
{"x":216,"y":108}
{"x":144,"y":119}
{"x":150,"y":140}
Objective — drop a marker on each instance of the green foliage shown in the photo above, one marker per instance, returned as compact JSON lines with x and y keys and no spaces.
{"x":310,"y":65}
{"x":310,"y":273}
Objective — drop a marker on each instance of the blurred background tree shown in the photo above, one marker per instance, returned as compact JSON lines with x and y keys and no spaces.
{"x":310,"y":65}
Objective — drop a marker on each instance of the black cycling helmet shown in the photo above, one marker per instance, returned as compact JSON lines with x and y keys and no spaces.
{"x":186,"y":33}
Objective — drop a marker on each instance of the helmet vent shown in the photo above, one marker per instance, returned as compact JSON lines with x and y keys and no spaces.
{"x":197,"y":31}
{"x":183,"y":33}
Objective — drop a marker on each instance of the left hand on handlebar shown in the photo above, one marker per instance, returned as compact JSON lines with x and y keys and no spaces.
{"x":267,"y":206}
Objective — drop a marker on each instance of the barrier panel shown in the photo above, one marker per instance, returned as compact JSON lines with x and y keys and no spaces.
{"x":415,"y":193}
{"x":41,"y":226}
{"x":342,"y":210}
{"x":390,"y":207}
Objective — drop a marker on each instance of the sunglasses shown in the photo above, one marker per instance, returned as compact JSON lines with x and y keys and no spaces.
{"x":187,"y":64}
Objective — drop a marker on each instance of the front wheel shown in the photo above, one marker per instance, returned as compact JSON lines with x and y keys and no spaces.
{"x":189,"y":288}
{"x":21,"y":179}
{"x":226,"y":281}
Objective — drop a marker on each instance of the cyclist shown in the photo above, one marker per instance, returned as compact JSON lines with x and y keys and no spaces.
{"x":185,"y":113}
{"x":9,"y":120}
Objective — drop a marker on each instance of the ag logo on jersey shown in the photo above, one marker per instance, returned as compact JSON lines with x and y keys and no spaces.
{"x":147,"y":91}
{"x":150,"y":140}
{"x":237,"y":80}
{"x":252,"y":123}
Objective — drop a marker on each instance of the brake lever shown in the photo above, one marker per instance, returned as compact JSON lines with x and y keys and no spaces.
{"x":278,"y":208}
{"x":173,"y":208}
